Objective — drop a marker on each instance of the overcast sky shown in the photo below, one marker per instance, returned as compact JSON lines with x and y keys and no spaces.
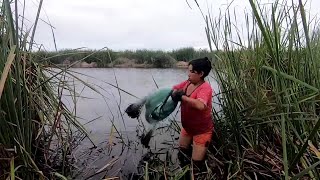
{"x":127,"y":24}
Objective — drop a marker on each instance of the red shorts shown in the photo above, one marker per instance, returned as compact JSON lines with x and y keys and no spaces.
{"x":200,"y":139}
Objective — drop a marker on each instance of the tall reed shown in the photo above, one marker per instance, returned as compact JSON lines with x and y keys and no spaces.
{"x":37,"y":130}
{"x":269,"y":79}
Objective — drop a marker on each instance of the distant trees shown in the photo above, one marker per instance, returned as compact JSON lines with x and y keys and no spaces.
{"x":156,"y":58}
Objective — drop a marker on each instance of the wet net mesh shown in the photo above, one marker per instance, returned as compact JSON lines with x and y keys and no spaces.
{"x":158,"y":105}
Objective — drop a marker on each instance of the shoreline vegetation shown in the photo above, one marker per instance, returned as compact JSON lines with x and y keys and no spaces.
{"x":120,"y":59}
{"x":269,"y":80}
{"x":38,"y":133}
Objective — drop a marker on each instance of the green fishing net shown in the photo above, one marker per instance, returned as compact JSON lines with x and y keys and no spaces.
{"x":158,"y":105}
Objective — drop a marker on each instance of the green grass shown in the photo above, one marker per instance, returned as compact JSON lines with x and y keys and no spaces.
{"x":37,"y":130}
{"x":270,"y":91}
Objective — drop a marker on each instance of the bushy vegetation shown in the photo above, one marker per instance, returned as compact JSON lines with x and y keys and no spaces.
{"x":103,"y":58}
{"x":36,"y":128}
{"x":269,"y":92}
{"x":163,"y":61}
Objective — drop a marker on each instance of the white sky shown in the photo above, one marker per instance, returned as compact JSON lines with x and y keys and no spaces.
{"x":128,"y":24}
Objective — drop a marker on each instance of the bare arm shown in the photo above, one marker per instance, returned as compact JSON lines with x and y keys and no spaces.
{"x":194,"y":103}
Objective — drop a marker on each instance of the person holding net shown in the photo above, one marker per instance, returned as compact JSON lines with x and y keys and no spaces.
{"x":195,"y":95}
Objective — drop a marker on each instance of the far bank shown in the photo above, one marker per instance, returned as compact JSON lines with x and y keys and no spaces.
{"x":119,"y":59}
{"x":127,"y":63}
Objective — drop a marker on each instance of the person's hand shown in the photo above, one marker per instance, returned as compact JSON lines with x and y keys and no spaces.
{"x":177,"y":95}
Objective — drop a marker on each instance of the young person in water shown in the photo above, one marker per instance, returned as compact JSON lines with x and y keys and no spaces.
{"x":195,"y":95}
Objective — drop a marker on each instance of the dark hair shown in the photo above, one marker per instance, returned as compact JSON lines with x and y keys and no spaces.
{"x":201,"y":65}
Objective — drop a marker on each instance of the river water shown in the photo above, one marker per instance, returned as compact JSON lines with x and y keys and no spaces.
{"x":102,"y":94}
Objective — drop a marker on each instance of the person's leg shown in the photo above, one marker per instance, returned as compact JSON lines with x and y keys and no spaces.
{"x":185,"y":151}
{"x":185,"y":139}
{"x":200,"y":146}
{"x":199,"y":152}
